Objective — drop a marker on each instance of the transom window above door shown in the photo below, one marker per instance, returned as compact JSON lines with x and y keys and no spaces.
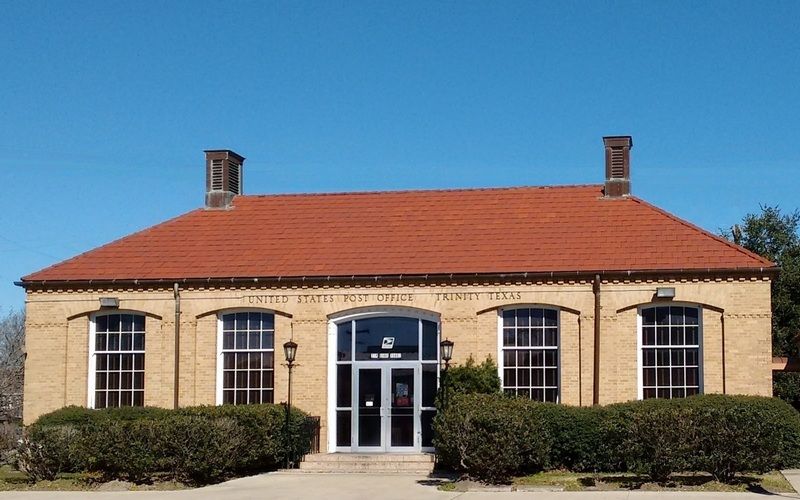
{"x":387,"y":338}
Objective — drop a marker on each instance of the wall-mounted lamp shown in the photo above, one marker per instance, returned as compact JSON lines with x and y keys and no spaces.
{"x":112,"y":302}
{"x":665,"y":293}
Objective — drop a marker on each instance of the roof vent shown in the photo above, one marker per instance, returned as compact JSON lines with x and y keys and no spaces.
{"x":223,"y":177}
{"x":618,"y":165}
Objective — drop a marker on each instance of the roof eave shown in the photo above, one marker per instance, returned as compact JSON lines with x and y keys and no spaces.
{"x":608,"y":274}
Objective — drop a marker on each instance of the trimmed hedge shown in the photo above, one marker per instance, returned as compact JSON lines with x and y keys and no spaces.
{"x":494,"y":437}
{"x":197,"y":445}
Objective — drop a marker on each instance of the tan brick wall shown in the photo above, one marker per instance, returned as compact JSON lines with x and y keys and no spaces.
{"x":58,"y":330}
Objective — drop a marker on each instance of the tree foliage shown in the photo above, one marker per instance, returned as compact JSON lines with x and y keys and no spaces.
{"x":12,"y":364}
{"x":776,"y":236}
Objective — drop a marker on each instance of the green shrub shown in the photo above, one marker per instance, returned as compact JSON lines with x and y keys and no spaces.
{"x":197,"y":445}
{"x":786,"y":386}
{"x":490,"y":437}
{"x":46,"y":451}
{"x":651,"y":437}
{"x":578,"y":444}
{"x":733,"y":434}
{"x":473,"y":378}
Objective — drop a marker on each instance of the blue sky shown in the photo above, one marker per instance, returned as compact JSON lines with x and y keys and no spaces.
{"x":105,"y":107}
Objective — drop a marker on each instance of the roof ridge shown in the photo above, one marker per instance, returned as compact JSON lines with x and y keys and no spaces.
{"x":705,"y":232}
{"x":421,"y":190}
{"x":92,"y":250}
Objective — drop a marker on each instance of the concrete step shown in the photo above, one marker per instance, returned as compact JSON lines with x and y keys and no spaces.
{"x":405,"y":463}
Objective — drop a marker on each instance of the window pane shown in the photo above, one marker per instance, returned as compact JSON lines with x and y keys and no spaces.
{"x":649,"y":336}
{"x":676,"y":315}
{"x":524,"y":357}
{"x":343,"y":423}
{"x":100,"y":342}
{"x":344,"y":385}
{"x":101,"y":323}
{"x":676,"y":335}
{"x":430,"y":340}
{"x":138,"y":341}
{"x":692,"y":335}
{"x":524,"y":377}
{"x":692,"y":316}
{"x":227,"y":340}
{"x":229,"y":322}
{"x":662,"y":315}
{"x":537,"y":317}
{"x":267,"y":380}
{"x":429,"y":384}
{"x":523,"y":317}
{"x":100,"y":399}
{"x":138,"y":323}
{"x":113,"y":323}
{"x":254,"y":323}
{"x":523,"y":337}
{"x":509,"y":338}
{"x":509,"y":358}
{"x":509,"y":377}
{"x":254,"y":339}
{"x":267,"y":339}
{"x":228,"y":379}
{"x":241,"y":321}
{"x":649,"y":316}
{"x":127,"y":323}
{"x":662,"y":335}
{"x":390,"y":335}
{"x":649,"y":378}
{"x":126,"y":343}
{"x":344,"y":334}
{"x":551,"y":337}
{"x":550,"y":317}
{"x":509,"y":318}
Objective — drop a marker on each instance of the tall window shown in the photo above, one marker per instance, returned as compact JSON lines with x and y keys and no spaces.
{"x":529,"y":361}
{"x":246,"y":352}
{"x":670,"y":357}
{"x":117,"y":367}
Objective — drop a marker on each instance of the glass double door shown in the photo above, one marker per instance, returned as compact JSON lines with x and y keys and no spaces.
{"x":387,"y":407}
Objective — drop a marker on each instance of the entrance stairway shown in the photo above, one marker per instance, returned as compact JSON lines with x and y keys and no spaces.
{"x":369,"y":463}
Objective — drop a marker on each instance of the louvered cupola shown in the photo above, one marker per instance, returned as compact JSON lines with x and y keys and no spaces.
{"x":223,"y":177}
{"x":618,"y":165}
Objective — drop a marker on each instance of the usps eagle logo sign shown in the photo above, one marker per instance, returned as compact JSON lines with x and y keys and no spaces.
{"x":388,"y":343}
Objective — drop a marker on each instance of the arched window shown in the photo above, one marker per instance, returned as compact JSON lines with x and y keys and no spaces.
{"x":116,"y":360}
{"x":529,"y":357}
{"x":670,"y":358}
{"x":246,"y":358}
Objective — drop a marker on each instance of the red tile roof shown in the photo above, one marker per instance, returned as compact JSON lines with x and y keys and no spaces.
{"x":465,"y":231}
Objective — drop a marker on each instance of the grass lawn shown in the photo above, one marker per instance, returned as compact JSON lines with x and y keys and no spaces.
{"x":772,"y":482}
{"x":14,"y":480}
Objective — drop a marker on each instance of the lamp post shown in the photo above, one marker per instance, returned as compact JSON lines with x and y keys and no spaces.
{"x":447,"y":354}
{"x":290,"y":351}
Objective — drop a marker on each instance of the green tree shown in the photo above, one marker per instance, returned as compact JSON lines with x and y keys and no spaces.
{"x":776,"y":236}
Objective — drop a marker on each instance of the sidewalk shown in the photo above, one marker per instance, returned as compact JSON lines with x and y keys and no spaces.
{"x":281,"y":485}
